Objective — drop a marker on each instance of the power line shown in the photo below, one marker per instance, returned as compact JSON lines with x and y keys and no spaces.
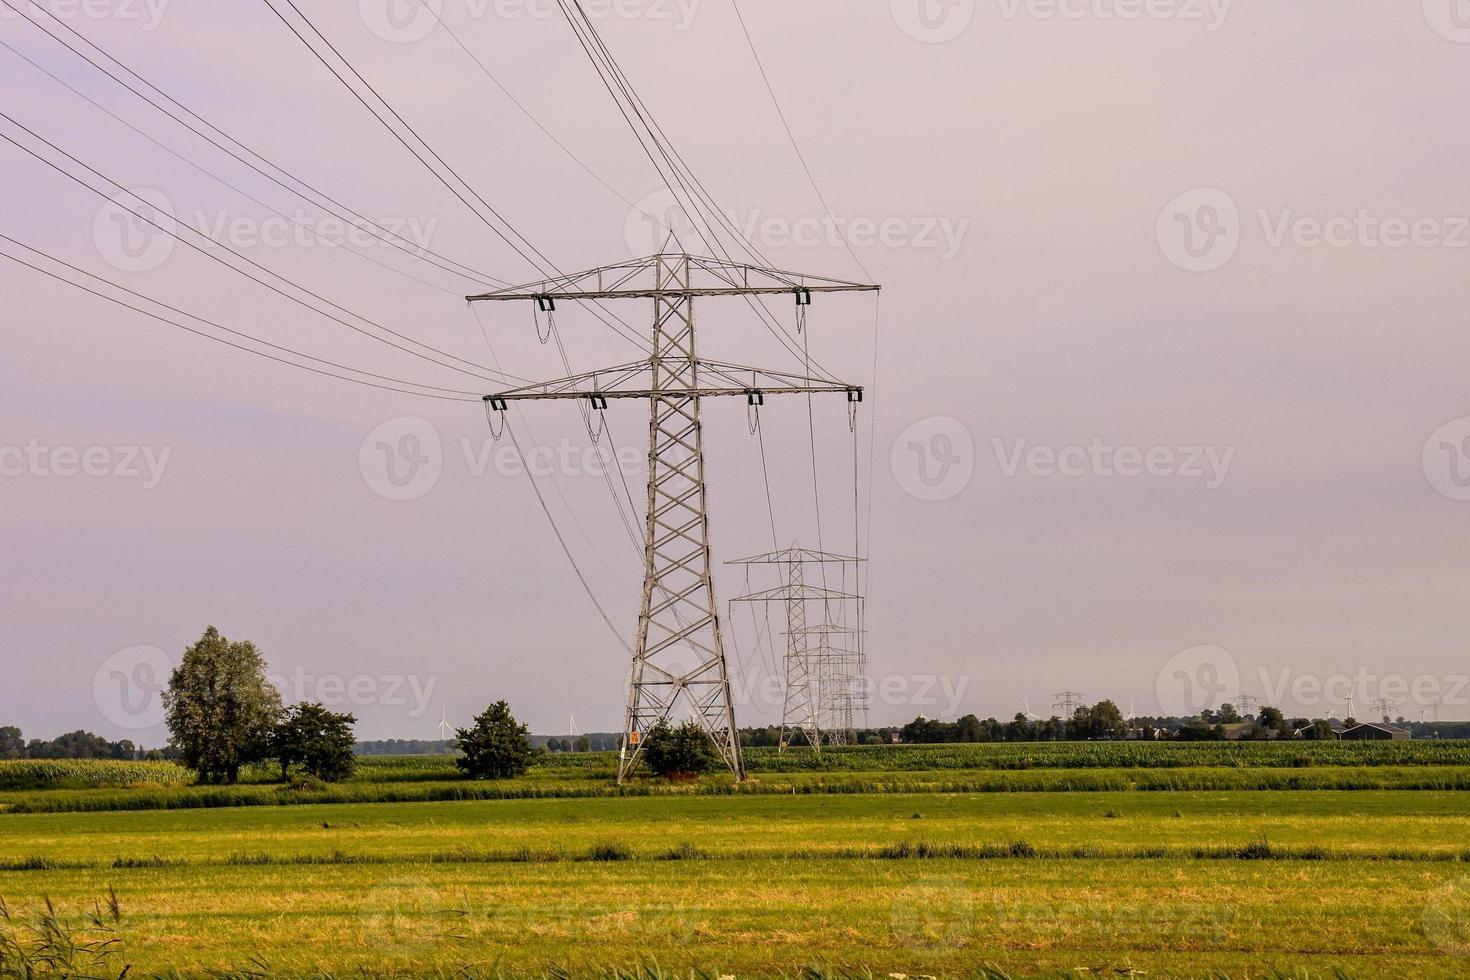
{"x":217,"y":178}
{"x":207,"y":254}
{"x":791,"y":135}
{"x":342,"y":212}
{"x":461,"y":397}
{"x":521,"y":106}
{"x":504,"y":234}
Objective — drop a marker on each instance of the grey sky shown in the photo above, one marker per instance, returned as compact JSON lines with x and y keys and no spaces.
{"x":1054,"y":151}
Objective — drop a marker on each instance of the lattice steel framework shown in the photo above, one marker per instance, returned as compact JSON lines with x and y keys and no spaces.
{"x":823,"y":681}
{"x":679,"y":654}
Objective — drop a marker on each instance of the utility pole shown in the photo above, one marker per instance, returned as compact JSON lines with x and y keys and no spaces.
{"x":822,"y":681}
{"x":679,"y":652}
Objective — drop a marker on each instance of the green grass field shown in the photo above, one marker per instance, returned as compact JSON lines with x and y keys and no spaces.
{"x":859,"y":867}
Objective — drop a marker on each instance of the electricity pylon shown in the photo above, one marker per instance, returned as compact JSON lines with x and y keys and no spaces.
{"x":679,"y":652}
{"x":1067,"y":703}
{"x":820,"y":678}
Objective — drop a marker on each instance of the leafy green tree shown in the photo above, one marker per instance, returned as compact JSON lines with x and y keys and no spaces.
{"x":220,"y":709}
{"x":1228,"y":715}
{"x":496,"y":746}
{"x":319,"y":741}
{"x":584,"y":744}
{"x":682,"y":750}
{"x":1107,"y":721}
{"x":12,"y":743}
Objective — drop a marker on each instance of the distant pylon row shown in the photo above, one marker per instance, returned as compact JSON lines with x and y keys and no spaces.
{"x":825,"y":685}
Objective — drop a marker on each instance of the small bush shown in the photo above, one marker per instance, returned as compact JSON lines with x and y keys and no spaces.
{"x":682,"y":751}
{"x":610,"y":852}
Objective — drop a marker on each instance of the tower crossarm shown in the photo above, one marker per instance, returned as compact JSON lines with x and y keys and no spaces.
{"x":693,"y":276}
{"x":635,"y":380}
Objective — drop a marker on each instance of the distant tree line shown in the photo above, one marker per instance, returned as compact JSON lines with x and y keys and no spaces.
{"x":72,"y":745}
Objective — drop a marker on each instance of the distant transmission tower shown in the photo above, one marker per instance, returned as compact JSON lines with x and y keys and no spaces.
{"x":679,"y":652}
{"x":826,"y":665}
{"x":1383,"y":707}
{"x":1245,"y":705}
{"x":1067,"y":703}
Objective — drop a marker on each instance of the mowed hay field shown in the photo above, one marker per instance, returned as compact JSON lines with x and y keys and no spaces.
{"x":801,"y":871}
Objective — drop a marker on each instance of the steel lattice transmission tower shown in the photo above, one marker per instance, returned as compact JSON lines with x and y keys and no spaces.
{"x":679,"y":652}
{"x":822,"y":681}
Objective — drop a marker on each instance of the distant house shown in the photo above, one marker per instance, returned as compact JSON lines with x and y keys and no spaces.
{"x":1375,"y":732}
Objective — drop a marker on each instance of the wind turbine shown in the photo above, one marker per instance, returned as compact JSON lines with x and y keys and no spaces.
{"x":1026,"y":702}
{"x":444,"y":727}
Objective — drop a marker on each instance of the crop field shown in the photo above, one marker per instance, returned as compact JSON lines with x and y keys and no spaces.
{"x":1165,"y":860}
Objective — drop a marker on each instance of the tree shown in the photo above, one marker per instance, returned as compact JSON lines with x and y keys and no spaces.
{"x":12,"y":743}
{"x":685,"y":750}
{"x":496,"y":746}
{"x":1107,"y":721}
{"x":220,"y":709}
{"x":317,"y":740}
{"x":1228,"y":715}
{"x":584,"y":744}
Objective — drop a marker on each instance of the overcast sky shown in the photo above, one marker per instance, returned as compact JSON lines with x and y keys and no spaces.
{"x":1171,"y":357}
